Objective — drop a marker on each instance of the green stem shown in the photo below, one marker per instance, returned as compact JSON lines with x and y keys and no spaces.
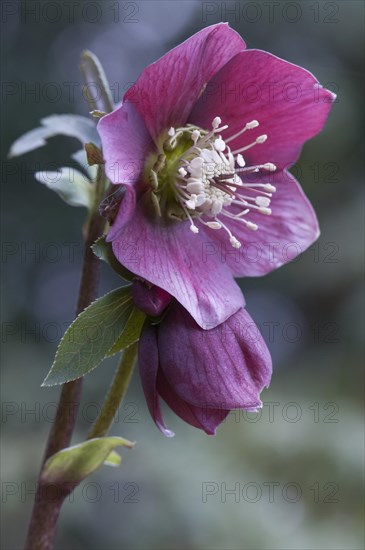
{"x":115,"y":394}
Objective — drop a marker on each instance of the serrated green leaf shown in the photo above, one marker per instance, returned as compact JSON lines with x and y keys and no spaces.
{"x":131,"y":332}
{"x":75,"y":463}
{"x":70,"y":125}
{"x":70,"y":184}
{"x":89,"y":338}
{"x":104,"y":251}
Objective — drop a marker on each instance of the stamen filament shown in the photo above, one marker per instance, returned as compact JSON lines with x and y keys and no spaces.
{"x":207,"y":180}
{"x":260,"y":139}
{"x":249,"y":126}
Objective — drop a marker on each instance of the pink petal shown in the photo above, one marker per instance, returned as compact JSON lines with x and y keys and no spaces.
{"x":176,"y":260}
{"x":126,"y":207}
{"x":148,"y":368}
{"x":223,"y":368}
{"x":167,"y":90}
{"x":287,"y":101}
{"x":290,"y":229}
{"x":126,"y":143}
{"x":204,"y":419}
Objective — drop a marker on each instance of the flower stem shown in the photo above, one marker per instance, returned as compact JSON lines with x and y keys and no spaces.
{"x":115,"y":394}
{"x":46,"y":509}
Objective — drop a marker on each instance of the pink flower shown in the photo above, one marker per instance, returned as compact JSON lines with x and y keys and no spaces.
{"x":201,"y":144}
{"x":200,"y":374}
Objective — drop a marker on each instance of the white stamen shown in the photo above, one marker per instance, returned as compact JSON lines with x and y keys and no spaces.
{"x":256,"y":187}
{"x":243,"y":213}
{"x":195,"y":136}
{"x":219,"y":144}
{"x":269,"y":166}
{"x":191,"y":203}
{"x":260,"y":139}
{"x":240,"y":161}
{"x":266,"y":211}
{"x":234,"y":242}
{"x":252,"y":226}
{"x":252,"y":124}
{"x":249,"y":126}
{"x":261,"y":209}
{"x":262,"y":201}
{"x":214,"y":225}
{"x":195,"y":186}
{"x":209,"y":181}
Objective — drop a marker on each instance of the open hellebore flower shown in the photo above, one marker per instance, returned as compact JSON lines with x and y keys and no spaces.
{"x":200,"y":374}
{"x":200,"y":145}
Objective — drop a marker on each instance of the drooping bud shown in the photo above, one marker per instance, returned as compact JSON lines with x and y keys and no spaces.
{"x":152,"y":300}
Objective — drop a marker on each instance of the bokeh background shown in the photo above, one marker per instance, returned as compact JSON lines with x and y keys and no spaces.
{"x":297,"y":467}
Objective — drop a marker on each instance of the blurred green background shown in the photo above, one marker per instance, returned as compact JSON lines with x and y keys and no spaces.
{"x":296,"y":469}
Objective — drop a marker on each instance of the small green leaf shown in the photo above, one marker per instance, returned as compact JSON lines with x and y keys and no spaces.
{"x":75,"y":126}
{"x":70,"y":184}
{"x":113,"y":459}
{"x":75,"y":463}
{"x":89,"y":338}
{"x":131,"y":332}
{"x":104,"y":251}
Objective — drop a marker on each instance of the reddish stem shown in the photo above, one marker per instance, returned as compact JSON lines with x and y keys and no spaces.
{"x":48,"y":500}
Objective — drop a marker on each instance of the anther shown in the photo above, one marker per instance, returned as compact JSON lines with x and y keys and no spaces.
{"x":252,"y":226}
{"x":219,"y":144}
{"x":269,"y":166}
{"x":240,"y":160}
{"x":248,"y":126}
{"x":262,"y":201}
{"x":214,"y":225}
{"x":260,"y":139}
{"x":263,"y":210}
{"x":234,"y":242}
{"x":252,"y":124}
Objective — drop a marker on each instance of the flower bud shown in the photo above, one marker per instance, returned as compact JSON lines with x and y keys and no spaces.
{"x":152,"y":300}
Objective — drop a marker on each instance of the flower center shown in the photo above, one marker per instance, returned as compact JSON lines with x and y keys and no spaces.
{"x":198,"y":178}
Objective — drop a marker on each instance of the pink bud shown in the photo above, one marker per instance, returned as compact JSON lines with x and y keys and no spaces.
{"x":152,"y":300}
